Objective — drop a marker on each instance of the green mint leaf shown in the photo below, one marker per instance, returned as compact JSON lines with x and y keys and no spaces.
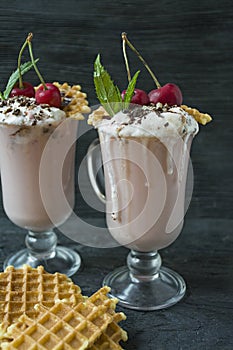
{"x":25,"y":67}
{"x":130,"y":89}
{"x":108,"y":94}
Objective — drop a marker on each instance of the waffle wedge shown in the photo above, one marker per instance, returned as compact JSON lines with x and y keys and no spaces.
{"x":112,"y":336}
{"x":74,"y":102}
{"x":21,"y":289}
{"x":202,"y":118}
{"x":92,"y":324}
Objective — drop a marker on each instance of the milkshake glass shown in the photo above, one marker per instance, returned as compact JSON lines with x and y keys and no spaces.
{"x":145,"y":154}
{"x":28,"y":130}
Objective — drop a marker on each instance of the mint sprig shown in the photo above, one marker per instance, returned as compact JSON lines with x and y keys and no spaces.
{"x":25,"y":67}
{"x":130,"y":89}
{"x":107,"y":92}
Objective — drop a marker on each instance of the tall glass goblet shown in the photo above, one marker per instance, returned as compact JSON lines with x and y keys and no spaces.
{"x":145,"y":181}
{"x":24,"y":179}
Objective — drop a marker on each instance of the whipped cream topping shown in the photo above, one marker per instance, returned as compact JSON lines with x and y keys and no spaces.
{"x":158,"y":121}
{"x":22,"y":110}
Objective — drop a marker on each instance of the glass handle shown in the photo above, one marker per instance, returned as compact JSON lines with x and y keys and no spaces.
{"x":94,"y":165}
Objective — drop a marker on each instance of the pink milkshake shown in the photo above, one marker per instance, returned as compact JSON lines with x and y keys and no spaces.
{"x":37,"y":174}
{"x":145,"y":155}
{"x":145,"y":141}
{"x":22,"y":145}
{"x":145,"y":152}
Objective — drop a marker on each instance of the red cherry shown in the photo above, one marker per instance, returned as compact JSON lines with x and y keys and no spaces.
{"x":140,"y":97}
{"x":169,"y":93}
{"x":50,"y":96}
{"x":28,"y":90}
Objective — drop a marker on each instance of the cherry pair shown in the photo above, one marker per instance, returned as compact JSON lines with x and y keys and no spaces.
{"x":47,"y":93}
{"x":51,"y":95}
{"x":168,"y":94}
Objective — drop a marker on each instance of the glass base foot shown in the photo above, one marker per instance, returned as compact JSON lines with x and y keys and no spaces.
{"x":165,"y":290}
{"x":65,"y":261}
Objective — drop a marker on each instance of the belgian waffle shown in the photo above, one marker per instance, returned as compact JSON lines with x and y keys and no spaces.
{"x":74,"y":102}
{"x":21,"y":289}
{"x":92,"y":324}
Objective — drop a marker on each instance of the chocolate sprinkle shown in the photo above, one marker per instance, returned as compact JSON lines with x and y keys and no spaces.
{"x":8,"y":110}
{"x":16,"y":111}
{"x":107,"y":117}
{"x":137,"y":113}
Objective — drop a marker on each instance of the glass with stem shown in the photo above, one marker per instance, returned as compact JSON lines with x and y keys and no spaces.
{"x":31,"y":159}
{"x":145,"y":183}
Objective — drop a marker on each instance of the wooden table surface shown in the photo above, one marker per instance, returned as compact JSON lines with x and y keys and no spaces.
{"x":188,"y":43}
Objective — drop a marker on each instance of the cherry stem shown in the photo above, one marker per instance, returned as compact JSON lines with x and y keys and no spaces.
{"x":29,"y":39}
{"x":19,"y":64}
{"x":125,"y":57}
{"x":124,"y":37}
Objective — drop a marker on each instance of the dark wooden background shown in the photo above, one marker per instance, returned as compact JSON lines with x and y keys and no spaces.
{"x":189,"y":43}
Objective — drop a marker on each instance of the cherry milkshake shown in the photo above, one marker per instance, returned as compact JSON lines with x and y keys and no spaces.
{"x":28,"y":131}
{"x":25,"y":128}
{"x":145,"y":140}
{"x":145,"y":156}
{"x":38,"y":126}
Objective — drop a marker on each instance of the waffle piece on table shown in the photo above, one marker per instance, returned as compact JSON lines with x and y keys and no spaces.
{"x":112,"y":336}
{"x":74,"y":101}
{"x":64,"y":328}
{"x":21,"y":289}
